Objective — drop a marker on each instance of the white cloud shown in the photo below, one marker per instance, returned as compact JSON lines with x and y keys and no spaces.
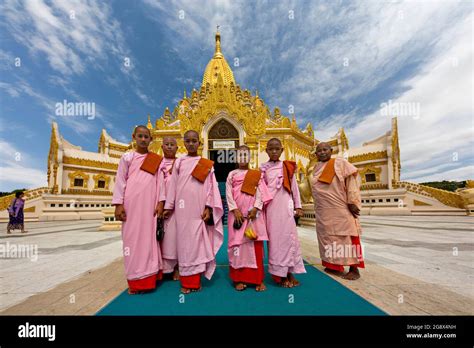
{"x":308,"y":52}
{"x":458,"y":174}
{"x":14,"y":172}
{"x":7,"y":60}
{"x":80,"y":124}
{"x":444,"y":132}
{"x":73,"y":35}
{"x":15,"y":177}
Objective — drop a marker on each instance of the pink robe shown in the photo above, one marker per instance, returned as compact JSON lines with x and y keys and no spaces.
{"x":241,"y":249}
{"x":335,"y":225}
{"x":284,"y":254}
{"x":197,"y":243}
{"x":138,"y":191}
{"x":168,"y":244}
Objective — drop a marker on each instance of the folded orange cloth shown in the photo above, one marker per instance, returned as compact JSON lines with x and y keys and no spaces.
{"x":328,"y":173}
{"x":202,"y":169}
{"x":289,"y":168}
{"x":151,"y":163}
{"x":250,"y":183}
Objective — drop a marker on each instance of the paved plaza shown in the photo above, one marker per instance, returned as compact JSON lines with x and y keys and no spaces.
{"x":414,"y":265}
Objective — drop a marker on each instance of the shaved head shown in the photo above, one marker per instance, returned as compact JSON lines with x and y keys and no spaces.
{"x":323,"y":144}
{"x":169,"y":147}
{"x":191,"y":132}
{"x":168,"y":138}
{"x":273,"y":140}
{"x":323,"y":151}
{"x":191,"y":142}
{"x":274,"y":149}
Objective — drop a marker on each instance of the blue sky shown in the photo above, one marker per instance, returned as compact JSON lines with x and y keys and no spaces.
{"x":336,"y":62}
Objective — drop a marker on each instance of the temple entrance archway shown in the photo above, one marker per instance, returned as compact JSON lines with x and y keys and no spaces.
{"x":222,"y":138}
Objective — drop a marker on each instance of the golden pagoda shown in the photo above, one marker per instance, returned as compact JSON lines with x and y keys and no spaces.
{"x":226,"y":116}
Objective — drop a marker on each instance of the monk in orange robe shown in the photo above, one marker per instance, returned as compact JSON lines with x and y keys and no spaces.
{"x":336,"y":193}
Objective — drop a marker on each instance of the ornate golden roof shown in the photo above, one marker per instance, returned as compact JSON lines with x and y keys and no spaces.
{"x":218,"y":66}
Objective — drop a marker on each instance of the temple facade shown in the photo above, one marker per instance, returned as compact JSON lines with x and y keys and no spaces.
{"x":80,"y":183}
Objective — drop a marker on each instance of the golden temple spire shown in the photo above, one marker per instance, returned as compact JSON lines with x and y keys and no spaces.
{"x":184,"y":97}
{"x":217,"y":52}
{"x":218,"y":66}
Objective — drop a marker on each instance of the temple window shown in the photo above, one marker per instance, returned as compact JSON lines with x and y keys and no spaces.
{"x":370,"y":177}
{"x":101,"y":181}
{"x":78,"y":179}
{"x":79,"y":182}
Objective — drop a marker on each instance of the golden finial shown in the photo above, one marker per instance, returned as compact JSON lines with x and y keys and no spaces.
{"x":218,"y":52}
{"x":149,"y":125}
{"x":166,"y":115}
{"x":184,"y":94}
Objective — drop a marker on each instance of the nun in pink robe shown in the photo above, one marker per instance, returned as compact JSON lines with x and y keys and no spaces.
{"x":138,"y":191}
{"x":168,"y":244}
{"x":337,"y":229}
{"x":284,"y":254}
{"x":197,"y":243}
{"x":246,"y":255}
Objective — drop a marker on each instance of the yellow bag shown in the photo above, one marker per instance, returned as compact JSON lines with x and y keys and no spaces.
{"x":250,"y":233}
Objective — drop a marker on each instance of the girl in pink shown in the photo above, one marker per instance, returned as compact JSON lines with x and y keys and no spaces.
{"x":246,"y":195}
{"x":284,"y":254}
{"x":135,"y":197}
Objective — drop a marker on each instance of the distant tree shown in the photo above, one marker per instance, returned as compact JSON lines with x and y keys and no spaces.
{"x":2,"y":194}
{"x":446,"y":185}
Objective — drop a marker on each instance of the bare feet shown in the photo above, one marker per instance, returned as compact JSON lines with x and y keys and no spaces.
{"x":353,"y":274}
{"x":240,"y":286}
{"x":176,"y":274}
{"x":334,"y":272}
{"x":9,"y":232}
{"x":132,"y":292}
{"x":187,"y":290}
{"x":24,"y":231}
{"x":260,"y":287}
{"x":285,"y":283}
{"x":293,"y":280}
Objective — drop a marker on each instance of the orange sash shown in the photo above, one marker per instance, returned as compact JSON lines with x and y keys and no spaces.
{"x":289,"y":168}
{"x":151,"y":163}
{"x":250,"y":183}
{"x":202,"y":169}
{"x":328,"y":173}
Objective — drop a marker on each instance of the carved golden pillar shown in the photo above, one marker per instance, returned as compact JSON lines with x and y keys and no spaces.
{"x":55,"y":176}
{"x":252,"y":143}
